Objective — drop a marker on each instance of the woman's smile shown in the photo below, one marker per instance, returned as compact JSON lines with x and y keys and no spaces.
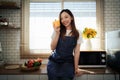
{"x":66,"y":19}
{"x":66,"y":23}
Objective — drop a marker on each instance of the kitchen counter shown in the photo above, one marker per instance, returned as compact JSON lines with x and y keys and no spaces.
{"x":18,"y":71}
{"x":43,"y":71}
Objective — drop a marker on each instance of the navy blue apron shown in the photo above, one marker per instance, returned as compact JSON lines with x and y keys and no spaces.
{"x":61,"y":62}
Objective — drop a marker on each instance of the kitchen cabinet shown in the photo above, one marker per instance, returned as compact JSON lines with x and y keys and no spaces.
{"x":9,"y":7}
{"x":110,"y":77}
{"x":15,"y":77}
{"x":99,"y":77}
{"x":83,"y":77}
{"x":31,"y":77}
{"x":95,"y":77}
{"x":9,"y":11}
{"x":3,"y":77}
{"x":43,"y":77}
{"x":8,"y":27}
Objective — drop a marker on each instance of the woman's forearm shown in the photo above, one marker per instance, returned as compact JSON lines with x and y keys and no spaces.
{"x":76,"y":60}
{"x":55,"y":41}
{"x":76,"y":56}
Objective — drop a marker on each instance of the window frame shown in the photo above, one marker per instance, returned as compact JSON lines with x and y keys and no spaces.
{"x":24,"y":44}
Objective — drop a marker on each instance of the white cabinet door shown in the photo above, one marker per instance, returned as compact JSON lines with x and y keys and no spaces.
{"x":15,"y":77}
{"x":95,"y":77}
{"x":31,"y":77}
{"x":117,"y":76}
{"x":3,"y":77}
{"x":43,"y":77}
{"x":109,"y":77}
{"x":83,"y":77}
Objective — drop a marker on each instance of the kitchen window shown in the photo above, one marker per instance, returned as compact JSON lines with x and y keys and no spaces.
{"x":37,"y":18}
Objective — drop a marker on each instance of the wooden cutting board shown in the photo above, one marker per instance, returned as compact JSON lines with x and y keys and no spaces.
{"x":12,"y":67}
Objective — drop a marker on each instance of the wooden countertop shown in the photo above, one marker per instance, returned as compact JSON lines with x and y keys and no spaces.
{"x":18,"y":71}
{"x":43,"y":71}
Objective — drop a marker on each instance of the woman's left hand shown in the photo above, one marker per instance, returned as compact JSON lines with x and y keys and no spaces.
{"x":78,"y":72}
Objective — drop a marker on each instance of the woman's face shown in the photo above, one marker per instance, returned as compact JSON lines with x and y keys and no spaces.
{"x":66,"y":19}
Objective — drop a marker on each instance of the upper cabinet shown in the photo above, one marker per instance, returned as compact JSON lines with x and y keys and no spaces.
{"x":8,"y":5}
{"x":10,"y":19}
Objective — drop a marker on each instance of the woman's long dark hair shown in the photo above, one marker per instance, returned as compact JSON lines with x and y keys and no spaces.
{"x":62,"y":27}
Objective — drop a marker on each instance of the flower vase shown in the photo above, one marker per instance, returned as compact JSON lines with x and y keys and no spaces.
{"x":88,"y":45}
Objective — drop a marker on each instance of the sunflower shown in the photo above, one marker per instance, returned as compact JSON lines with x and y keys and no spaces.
{"x":89,"y":33}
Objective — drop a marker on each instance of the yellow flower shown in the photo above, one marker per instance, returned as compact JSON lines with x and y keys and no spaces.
{"x":89,"y":33}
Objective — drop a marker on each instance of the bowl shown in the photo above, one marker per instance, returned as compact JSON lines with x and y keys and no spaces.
{"x":25,"y":68}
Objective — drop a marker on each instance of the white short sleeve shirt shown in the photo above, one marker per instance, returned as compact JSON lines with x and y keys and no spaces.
{"x":79,"y":41}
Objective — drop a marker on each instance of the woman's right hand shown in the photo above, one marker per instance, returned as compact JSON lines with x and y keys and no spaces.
{"x":56,"y":26}
{"x":57,"y":29}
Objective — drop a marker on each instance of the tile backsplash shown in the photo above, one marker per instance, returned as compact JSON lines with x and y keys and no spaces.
{"x":111,"y":15}
{"x":10,"y":38}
